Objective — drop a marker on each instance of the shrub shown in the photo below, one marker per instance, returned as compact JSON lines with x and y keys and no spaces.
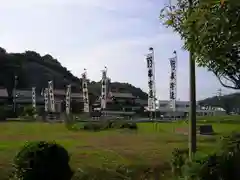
{"x":132,"y":126}
{"x":179,"y":158}
{"x":221,"y":165}
{"x":231,"y":142}
{"x":109,"y":125}
{"x":75,"y":126}
{"x":42,"y":160}
{"x":201,"y":168}
{"x":128,"y":125}
{"x":6,"y":112}
{"x":29,"y":111}
{"x":217,"y":166}
{"x":92,"y":126}
{"x":70,"y":122}
{"x":3,"y":114}
{"x":105,"y":125}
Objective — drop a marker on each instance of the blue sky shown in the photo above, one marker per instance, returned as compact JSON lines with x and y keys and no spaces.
{"x":92,"y":34}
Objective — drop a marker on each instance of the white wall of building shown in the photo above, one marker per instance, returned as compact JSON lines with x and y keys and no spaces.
{"x":182,"y":109}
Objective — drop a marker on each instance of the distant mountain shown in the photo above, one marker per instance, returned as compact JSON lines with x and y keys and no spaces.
{"x":230,"y":102}
{"x":32,"y":69}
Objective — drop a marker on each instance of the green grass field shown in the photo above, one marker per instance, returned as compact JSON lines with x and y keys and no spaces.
{"x":149,"y":146}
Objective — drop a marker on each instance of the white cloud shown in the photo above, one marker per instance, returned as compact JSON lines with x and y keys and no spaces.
{"x":125,"y":60}
{"x":96,"y":33}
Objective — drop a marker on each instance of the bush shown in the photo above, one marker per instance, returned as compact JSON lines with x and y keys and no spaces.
{"x":3,"y":114}
{"x":217,"y":166}
{"x":70,"y":122}
{"x":29,"y":111}
{"x":42,"y":160}
{"x":105,"y":125}
{"x":179,"y":158}
{"x":6,"y":112}
{"x":221,"y":165}
{"x":133,"y":126}
{"x":109,"y":125}
{"x":129,"y":126}
{"x":231,"y":143}
{"x":92,"y":126}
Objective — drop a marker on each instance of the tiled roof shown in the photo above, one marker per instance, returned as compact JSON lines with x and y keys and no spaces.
{"x":24,"y":96}
{"x":119,"y":112}
{"x":121,"y":95}
{"x":28,"y":93}
{"x":62,"y":92}
{"x":76,"y":95}
{"x":23,"y":93}
{"x":3,"y":93}
{"x":141,"y":101}
{"x":59,"y":92}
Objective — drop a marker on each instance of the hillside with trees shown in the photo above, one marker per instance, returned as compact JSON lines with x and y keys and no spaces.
{"x":230,"y":102}
{"x":32,"y":69}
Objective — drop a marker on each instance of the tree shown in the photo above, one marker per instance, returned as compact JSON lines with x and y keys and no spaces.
{"x":215,"y":38}
{"x":34,"y":70}
{"x":230,"y":102}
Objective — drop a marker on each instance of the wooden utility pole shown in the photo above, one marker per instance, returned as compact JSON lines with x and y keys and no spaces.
{"x":192,"y":111}
{"x":14,"y":94}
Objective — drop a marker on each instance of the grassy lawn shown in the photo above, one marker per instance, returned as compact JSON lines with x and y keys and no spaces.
{"x":149,"y":146}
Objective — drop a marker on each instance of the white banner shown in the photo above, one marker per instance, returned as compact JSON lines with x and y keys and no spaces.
{"x":85,"y":91}
{"x":151,"y":81}
{"x":68,"y":99}
{"x":51,"y":96}
{"x":173,"y":82}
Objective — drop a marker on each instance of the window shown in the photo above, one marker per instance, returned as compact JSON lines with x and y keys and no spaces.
{"x":163,"y":105}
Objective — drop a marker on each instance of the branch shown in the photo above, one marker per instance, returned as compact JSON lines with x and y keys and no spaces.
{"x":226,"y":86}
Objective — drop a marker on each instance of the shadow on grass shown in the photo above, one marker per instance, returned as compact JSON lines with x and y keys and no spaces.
{"x":138,"y":172}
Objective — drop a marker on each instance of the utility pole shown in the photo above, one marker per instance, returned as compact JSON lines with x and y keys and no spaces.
{"x":192,"y":111}
{"x":14,"y":94}
{"x":219,"y":93}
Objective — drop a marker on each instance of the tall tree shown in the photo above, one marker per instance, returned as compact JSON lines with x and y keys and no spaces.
{"x":215,"y":38}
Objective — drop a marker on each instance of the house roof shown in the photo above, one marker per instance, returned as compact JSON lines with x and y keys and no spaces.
{"x":121,"y":95}
{"x":62,"y":92}
{"x":3,"y":92}
{"x":141,"y":101}
{"x":28,"y":93}
{"x":23,"y":93}
{"x":76,"y":95}
{"x":59,"y":92}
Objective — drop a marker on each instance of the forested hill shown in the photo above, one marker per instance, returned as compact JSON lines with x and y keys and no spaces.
{"x":32,"y":69}
{"x":230,"y":102}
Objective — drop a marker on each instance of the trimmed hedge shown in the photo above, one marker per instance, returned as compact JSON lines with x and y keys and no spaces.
{"x":5,"y":113}
{"x":98,"y":126}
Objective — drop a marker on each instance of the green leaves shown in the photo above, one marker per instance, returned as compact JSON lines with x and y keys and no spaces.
{"x":169,"y":22}
{"x":211,"y":33}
